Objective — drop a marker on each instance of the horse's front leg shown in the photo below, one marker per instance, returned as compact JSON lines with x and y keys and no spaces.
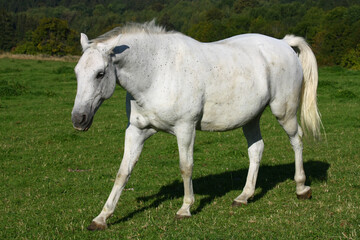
{"x":134,"y":141}
{"x":185,"y":137}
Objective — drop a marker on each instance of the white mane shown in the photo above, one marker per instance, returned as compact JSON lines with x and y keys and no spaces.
{"x":148,"y":28}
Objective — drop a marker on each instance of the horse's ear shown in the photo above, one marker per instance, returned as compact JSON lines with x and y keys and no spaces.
{"x":84,"y":40}
{"x":107,"y":47}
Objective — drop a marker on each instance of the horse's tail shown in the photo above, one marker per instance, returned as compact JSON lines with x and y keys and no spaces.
{"x":310,"y":115}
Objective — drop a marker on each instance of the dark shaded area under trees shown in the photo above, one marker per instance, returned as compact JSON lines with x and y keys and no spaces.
{"x":52,"y":27}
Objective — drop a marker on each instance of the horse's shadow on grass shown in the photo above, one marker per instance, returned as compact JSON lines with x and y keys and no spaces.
{"x":217,"y":185}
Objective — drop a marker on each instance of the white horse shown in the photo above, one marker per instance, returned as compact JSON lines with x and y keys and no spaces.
{"x":179,"y":85}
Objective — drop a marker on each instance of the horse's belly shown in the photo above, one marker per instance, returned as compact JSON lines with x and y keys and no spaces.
{"x":233,"y":100}
{"x":224,"y":116}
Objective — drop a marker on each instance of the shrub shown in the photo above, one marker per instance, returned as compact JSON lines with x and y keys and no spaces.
{"x":351,"y":60}
{"x":11,"y":88}
{"x":52,"y":37}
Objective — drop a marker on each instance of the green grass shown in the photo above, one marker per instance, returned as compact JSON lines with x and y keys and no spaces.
{"x":54,"y":180}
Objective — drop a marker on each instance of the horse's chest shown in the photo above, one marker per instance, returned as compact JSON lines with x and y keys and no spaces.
{"x":157,"y":116}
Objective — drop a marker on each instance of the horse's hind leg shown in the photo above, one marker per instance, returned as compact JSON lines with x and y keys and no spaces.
{"x":255,"y":150}
{"x":289,"y":122}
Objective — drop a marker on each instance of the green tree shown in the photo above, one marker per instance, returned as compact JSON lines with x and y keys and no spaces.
{"x":214,"y":14}
{"x":240,"y":5}
{"x":99,"y":10}
{"x":52,"y":37}
{"x":211,"y":31}
{"x":166,"y":22}
{"x":310,"y":24}
{"x":332,"y":27}
{"x":351,"y":59}
{"x":7,"y":35}
{"x":333,"y":41}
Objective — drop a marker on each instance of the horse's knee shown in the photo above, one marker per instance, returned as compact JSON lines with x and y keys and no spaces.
{"x":186,"y":169}
{"x":255,"y":151}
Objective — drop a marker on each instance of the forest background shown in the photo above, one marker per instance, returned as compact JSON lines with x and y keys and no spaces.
{"x":52,"y":27}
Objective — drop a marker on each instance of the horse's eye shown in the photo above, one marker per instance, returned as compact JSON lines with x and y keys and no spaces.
{"x":100,"y":75}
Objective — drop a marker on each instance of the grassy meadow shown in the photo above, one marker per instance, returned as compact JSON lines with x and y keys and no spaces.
{"x":54,"y":180}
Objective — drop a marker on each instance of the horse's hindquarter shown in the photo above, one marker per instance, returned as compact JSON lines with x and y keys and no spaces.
{"x":244,"y":71}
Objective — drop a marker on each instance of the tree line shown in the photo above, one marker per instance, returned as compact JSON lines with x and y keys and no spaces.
{"x":332,"y":27}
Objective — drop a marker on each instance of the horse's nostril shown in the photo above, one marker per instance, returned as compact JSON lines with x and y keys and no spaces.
{"x":83,"y":119}
{"x":79,"y":119}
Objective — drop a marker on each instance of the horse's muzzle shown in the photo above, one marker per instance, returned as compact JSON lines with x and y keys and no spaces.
{"x":81,"y":121}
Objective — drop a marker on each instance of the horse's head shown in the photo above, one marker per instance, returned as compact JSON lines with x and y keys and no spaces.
{"x":96,"y":80}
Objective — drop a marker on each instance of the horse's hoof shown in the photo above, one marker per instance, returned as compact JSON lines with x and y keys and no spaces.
{"x":178,"y":216}
{"x":304,"y":196}
{"x":96,"y":226}
{"x":238,"y":204}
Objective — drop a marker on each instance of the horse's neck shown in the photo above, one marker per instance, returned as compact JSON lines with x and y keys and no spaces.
{"x":137,"y":66}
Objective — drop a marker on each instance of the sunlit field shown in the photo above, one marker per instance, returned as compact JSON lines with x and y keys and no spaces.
{"x":55,"y":179}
